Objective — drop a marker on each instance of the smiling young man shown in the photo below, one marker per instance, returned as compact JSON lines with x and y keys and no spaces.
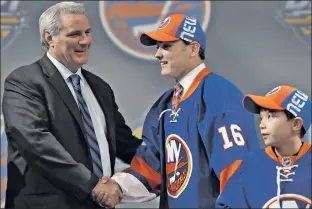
{"x":280,"y":176}
{"x":194,"y":133}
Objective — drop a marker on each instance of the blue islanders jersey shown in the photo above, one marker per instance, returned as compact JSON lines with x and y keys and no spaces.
{"x":267,"y":181}
{"x":191,"y":151}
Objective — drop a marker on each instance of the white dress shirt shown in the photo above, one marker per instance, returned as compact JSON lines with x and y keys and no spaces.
{"x":187,"y":80}
{"x":95,"y":110}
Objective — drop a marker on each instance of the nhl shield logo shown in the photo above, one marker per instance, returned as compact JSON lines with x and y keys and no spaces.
{"x":124,"y":21}
{"x":12,"y":20}
{"x":286,"y":161}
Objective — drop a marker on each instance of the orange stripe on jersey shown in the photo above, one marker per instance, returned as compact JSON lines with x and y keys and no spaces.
{"x":195,"y":83}
{"x":152,"y":177}
{"x":303,"y":150}
{"x":269,"y":151}
{"x":227,"y":172}
{"x":193,"y":86}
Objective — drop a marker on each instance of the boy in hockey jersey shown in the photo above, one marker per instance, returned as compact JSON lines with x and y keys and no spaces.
{"x":280,"y":176}
{"x":194,"y":133}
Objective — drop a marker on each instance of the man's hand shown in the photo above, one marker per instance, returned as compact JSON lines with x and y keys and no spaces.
{"x":107,"y":192}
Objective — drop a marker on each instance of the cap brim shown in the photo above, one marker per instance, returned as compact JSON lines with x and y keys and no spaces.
{"x":253,"y":103}
{"x":151,"y":38}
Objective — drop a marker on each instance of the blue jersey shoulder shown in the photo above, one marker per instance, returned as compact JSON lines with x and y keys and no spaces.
{"x":221,"y":95}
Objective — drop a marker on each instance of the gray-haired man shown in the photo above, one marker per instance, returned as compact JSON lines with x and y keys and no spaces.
{"x":63,"y":125}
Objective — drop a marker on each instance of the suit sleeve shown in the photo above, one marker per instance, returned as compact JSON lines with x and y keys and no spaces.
{"x":127,"y":144}
{"x":141,"y":181}
{"x":27,"y":129}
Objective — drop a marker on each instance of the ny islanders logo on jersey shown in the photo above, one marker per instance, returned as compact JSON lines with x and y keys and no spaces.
{"x":12,"y":20}
{"x":297,"y":15}
{"x":124,"y":21}
{"x":179,"y":164}
{"x":288,"y":201}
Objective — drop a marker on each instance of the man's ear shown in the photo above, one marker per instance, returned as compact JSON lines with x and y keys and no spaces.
{"x":195,"y":48}
{"x":298,"y":123}
{"x":48,"y":37}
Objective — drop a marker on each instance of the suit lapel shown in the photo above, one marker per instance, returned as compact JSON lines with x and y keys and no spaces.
{"x":57,"y":81}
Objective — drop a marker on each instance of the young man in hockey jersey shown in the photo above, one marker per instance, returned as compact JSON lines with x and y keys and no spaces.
{"x":280,"y":176}
{"x":195,"y":133}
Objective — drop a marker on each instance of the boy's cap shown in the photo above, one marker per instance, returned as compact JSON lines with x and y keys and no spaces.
{"x":175,"y":27}
{"x":282,"y":98}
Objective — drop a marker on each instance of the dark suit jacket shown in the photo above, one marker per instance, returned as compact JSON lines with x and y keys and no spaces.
{"x":49,"y":162}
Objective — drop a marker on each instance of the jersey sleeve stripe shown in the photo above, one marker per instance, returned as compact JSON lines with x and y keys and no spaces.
{"x":140,"y":166}
{"x":227,"y":172}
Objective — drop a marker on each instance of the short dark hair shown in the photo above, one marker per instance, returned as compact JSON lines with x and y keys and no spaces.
{"x":289,"y":116}
{"x":201,"y":52}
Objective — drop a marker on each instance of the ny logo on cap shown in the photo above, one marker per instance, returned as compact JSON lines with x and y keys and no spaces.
{"x":273,"y":91}
{"x":164,"y":23}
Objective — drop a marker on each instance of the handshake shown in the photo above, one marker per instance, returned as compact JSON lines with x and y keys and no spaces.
{"x":107,"y":193}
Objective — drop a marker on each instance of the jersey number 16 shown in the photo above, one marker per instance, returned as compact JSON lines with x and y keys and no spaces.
{"x":236,"y":135}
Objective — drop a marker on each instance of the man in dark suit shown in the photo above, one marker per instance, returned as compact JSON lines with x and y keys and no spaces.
{"x":63,"y":125}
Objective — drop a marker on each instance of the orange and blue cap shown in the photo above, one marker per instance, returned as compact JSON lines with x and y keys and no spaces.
{"x":282,"y":98}
{"x":175,"y":27}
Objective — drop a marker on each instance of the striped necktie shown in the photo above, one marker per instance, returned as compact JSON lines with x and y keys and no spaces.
{"x":178,"y":91}
{"x":89,"y":129}
{"x":177,"y":95}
